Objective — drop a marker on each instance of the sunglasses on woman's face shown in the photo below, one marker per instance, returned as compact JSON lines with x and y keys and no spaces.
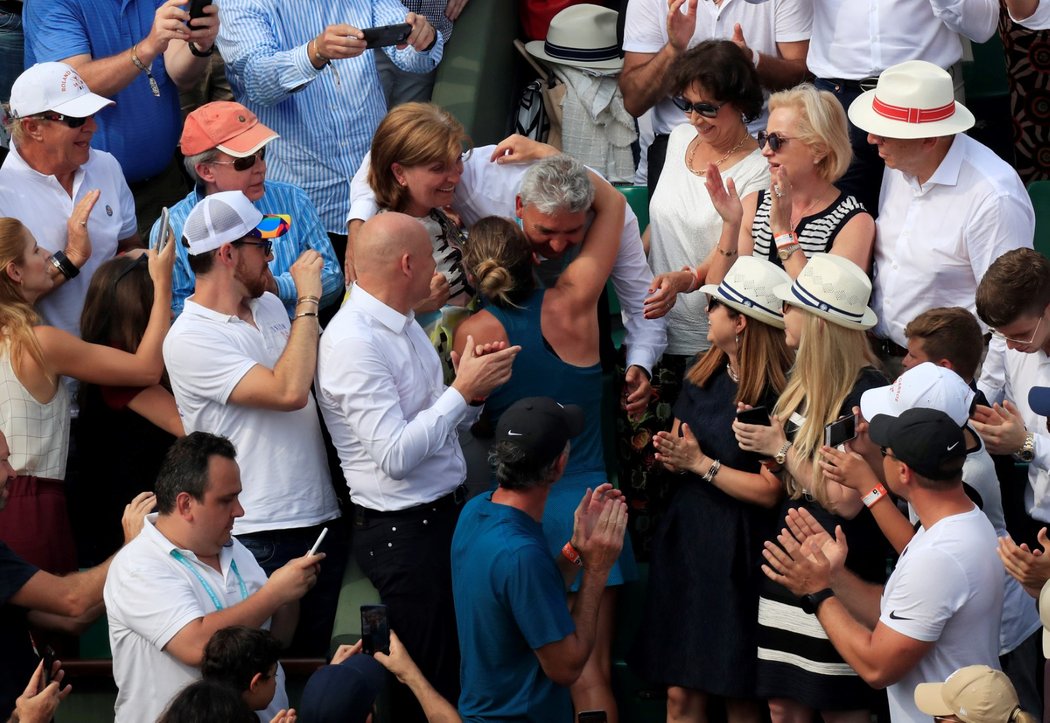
{"x":775,"y":140}
{"x":243,"y":164}
{"x":712,"y":304}
{"x":707,"y":110}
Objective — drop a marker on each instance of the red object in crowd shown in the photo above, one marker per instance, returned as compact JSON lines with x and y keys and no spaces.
{"x":536,"y":15}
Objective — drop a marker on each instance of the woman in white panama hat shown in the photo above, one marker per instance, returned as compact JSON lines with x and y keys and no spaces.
{"x":825,"y":316}
{"x":704,"y":581}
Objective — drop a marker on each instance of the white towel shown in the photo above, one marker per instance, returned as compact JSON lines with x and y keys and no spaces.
{"x":596,"y":129}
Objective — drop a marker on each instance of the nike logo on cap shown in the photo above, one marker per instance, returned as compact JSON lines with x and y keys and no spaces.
{"x":953,"y":446}
{"x":514,"y":434}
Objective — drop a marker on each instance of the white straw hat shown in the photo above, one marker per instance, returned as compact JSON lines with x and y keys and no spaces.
{"x":582,"y":36}
{"x":915,"y":99}
{"x":834,"y":288}
{"x":749,"y":287}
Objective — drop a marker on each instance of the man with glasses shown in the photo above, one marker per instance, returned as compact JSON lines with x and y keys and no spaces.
{"x":225,"y":150}
{"x":73,"y":199}
{"x":1013,"y":299}
{"x":948,"y":207}
{"x":240,"y":368}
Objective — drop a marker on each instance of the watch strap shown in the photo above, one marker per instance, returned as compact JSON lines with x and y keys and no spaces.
{"x":811,"y":602}
{"x":64,"y":265}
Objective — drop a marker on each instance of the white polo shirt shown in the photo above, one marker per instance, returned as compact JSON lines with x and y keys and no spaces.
{"x":764,"y":25}
{"x":861,"y":38}
{"x":283,"y":464}
{"x":40,"y":202}
{"x":150,"y":596}
{"x":935,"y":241}
{"x":1010,"y":374}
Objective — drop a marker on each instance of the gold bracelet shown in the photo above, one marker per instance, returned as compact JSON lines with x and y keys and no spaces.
{"x":308,"y":297}
{"x":306,"y":313}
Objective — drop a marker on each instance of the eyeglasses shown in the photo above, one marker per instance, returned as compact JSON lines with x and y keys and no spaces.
{"x":1019,"y":342}
{"x":775,"y":140}
{"x":707,"y":110}
{"x":887,"y":453}
{"x":266,"y":245}
{"x":70,"y":121}
{"x":243,"y":164}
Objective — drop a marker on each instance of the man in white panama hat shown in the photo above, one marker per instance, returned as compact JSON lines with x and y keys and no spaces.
{"x":949,"y":206}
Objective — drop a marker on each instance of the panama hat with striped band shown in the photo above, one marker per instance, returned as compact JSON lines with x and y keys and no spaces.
{"x":748,"y":288}
{"x":834,"y":288}
{"x":582,"y":36}
{"x":915,"y":99}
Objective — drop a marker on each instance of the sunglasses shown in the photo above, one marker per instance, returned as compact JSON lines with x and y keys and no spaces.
{"x":243,"y":164}
{"x":142,"y":262}
{"x":707,"y":110}
{"x":775,"y":140}
{"x":886,"y":452}
{"x":266,"y":245}
{"x":70,"y":121}
{"x":712,"y":304}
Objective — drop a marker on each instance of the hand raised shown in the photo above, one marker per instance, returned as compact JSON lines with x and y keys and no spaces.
{"x":306,"y":274}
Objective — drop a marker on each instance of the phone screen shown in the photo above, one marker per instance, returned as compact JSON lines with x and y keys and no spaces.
{"x":375,"y":630}
{"x":164,"y":226}
{"x":197,"y":10}
{"x":757,"y":415}
{"x":384,"y":35}
{"x":840,"y":431}
{"x":592,"y":716}
{"x":48,"y":656}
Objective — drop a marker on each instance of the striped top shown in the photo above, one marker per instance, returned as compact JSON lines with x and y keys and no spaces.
{"x":816,"y":232}
{"x":326,"y":117}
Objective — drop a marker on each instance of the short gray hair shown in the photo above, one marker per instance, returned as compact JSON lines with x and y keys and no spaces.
{"x":190,"y":162}
{"x":515,"y":469}
{"x":555,"y":184}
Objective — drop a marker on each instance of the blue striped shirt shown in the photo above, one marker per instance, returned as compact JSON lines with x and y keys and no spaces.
{"x":326,"y":117}
{"x":306,"y":232}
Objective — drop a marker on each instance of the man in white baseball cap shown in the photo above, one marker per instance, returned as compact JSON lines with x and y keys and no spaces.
{"x":72,"y":198}
{"x":948,"y":206}
{"x":239,"y":367}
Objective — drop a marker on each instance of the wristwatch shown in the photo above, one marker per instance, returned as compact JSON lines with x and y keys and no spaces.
{"x":1027,"y":451}
{"x":810,"y":603}
{"x":784,"y":252}
{"x":781,"y":457}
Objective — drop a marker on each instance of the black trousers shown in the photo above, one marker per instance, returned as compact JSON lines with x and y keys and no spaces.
{"x":406,"y":555}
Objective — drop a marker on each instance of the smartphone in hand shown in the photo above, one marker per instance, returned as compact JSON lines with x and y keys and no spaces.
{"x":385,"y":35}
{"x":197,"y":11}
{"x":755,"y":415}
{"x":840,"y":431}
{"x":375,"y":630}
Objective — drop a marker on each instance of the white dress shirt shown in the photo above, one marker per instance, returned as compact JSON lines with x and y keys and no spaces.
{"x":935,"y":241}
{"x":764,"y":25}
{"x":1010,"y":374}
{"x":1039,"y":20}
{"x":150,"y":596}
{"x":392,"y":420}
{"x":490,"y":189}
{"x":856,"y":39}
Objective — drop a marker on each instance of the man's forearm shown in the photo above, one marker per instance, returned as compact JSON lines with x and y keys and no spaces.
{"x":861,"y":599}
{"x":295,"y":369}
{"x":108,"y":76}
{"x":778,"y":73}
{"x":585,"y":613}
{"x":183,"y":67}
{"x":645,"y":85}
{"x":851,"y":639}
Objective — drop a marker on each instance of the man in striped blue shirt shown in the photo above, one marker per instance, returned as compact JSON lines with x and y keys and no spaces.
{"x":304,"y":70}
{"x":224,"y":144}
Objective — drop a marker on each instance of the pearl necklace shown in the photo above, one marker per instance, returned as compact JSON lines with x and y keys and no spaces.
{"x":719,"y":162}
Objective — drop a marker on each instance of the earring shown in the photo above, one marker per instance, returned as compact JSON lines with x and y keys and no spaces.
{"x":738,"y":340}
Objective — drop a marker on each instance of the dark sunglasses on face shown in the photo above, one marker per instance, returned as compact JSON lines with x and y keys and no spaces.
{"x":69,"y":120}
{"x":776,"y":141}
{"x":243,"y":164}
{"x":266,"y":245}
{"x":712,"y":304}
{"x":707,"y":110}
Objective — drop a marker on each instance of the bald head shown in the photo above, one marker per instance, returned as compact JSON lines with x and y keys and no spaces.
{"x":384,"y":239}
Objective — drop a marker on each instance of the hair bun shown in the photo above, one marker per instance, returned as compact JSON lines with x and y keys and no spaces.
{"x":494,"y":280}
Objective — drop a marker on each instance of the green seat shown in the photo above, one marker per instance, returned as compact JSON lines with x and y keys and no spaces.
{"x":1039,"y":192}
{"x":985,"y":76}
{"x":357,"y":590}
{"x":638,"y":198}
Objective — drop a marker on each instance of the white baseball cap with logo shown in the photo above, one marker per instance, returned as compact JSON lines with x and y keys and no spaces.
{"x":927,"y":386}
{"x":55,"y":87}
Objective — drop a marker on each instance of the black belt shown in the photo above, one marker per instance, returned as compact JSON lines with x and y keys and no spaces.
{"x":864,"y":84}
{"x":886,"y":347}
{"x":453,"y":500}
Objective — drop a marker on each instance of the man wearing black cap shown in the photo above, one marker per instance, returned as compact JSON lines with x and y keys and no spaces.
{"x":941,"y":607}
{"x":518,"y":639}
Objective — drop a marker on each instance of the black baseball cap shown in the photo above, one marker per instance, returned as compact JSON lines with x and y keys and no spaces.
{"x":927,"y":440}
{"x":541,"y":426}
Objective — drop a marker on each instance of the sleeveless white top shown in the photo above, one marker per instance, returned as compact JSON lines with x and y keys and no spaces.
{"x":37,"y":434}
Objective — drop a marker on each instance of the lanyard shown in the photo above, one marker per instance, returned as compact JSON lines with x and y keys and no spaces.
{"x":207,"y":588}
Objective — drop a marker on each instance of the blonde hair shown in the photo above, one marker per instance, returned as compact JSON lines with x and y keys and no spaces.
{"x":763,"y":360}
{"x":821,"y":126}
{"x":499,"y":258}
{"x":828,"y":361}
{"x":412,"y":134}
{"x":17,"y":316}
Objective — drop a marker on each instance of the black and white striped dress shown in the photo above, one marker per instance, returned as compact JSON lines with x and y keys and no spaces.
{"x":816,"y":233}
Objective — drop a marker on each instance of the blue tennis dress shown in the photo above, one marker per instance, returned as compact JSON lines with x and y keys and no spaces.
{"x":538,"y":372}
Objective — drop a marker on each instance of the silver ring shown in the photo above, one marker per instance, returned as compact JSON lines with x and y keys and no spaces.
{"x":777,"y":190}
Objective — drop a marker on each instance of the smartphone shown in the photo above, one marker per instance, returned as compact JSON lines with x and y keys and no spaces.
{"x":385,"y":35}
{"x":592,"y":716}
{"x":840,"y":431}
{"x":375,"y":630}
{"x":165,"y":226}
{"x":320,"y":539}
{"x":48,"y":656}
{"x":755,"y":415}
{"x":197,"y":10}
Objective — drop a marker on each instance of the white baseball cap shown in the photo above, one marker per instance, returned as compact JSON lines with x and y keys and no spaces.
{"x":927,"y":386}
{"x":229,"y":216}
{"x":55,"y":87}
